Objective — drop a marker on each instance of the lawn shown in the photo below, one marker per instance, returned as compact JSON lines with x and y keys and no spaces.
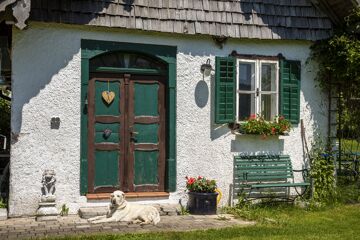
{"x":340,"y":222}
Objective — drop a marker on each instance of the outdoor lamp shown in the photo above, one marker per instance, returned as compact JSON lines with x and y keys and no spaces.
{"x":206,"y":68}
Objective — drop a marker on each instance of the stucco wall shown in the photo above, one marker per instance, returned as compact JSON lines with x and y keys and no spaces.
{"x":46,"y":83}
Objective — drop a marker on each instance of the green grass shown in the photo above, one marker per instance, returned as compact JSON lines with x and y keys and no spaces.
{"x":340,"y":222}
{"x":349,"y":145}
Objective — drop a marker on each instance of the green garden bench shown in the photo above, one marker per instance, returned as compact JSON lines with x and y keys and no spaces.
{"x":259,"y":176}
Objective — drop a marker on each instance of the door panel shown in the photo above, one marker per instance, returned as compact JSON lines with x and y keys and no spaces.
{"x":103,"y":108}
{"x":114,"y":137}
{"x":147,"y":135}
{"x":146,"y":167}
{"x":146,"y":99}
{"x":106,"y":169}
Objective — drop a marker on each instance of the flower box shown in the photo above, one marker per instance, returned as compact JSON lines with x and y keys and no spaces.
{"x":256,"y":125}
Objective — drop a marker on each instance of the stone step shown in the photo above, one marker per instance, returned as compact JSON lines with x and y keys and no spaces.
{"x":164,"y":210}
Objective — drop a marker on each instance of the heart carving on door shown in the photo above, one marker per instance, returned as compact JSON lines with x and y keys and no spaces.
{"x":108,"y":96}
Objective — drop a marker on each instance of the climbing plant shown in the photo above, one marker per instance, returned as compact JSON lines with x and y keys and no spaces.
{"x":322,"y":174}
{"x":5,"y":117}
{"x":338,"y":60}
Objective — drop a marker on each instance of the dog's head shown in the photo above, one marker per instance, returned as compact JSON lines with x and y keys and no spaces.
{"x":117,"y":198}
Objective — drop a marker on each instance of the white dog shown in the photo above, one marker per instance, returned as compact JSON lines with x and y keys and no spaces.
{"x":121,"y":210}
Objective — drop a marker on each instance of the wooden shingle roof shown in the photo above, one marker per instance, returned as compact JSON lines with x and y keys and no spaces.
{"x":262,"y":19}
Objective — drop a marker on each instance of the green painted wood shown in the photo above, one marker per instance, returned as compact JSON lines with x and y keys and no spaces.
{"x":264,"y":177}
{"x":99,"y":132}
{"x":146,"y":99}
{"x":106,"y":168}
{"x":146,"y":162}
{"x":271,"y":185}
{"x":264,"y":171}
{"x":146,"y":167}
{"x":245,"y":168}
{"x":83,"y":126}
{"x":225,"y":88}
{"x":129,"y":70}
{"x":170,"y":175}
{"x":102,"y":107}
{"x":92,"y":48}
{"x":290,"y":86}
{"x":262,"y":163}
{"x":280,"y":185}
{"x":147,"y":133}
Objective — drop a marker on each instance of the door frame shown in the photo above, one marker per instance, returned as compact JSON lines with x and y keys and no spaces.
{"x":167,"y":54}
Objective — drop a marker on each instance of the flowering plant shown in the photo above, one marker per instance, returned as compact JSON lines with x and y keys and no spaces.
{"x":200,"y":184}
{"x":256,"y":124}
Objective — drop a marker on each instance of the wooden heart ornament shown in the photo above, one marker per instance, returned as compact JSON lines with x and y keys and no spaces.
{"x":108,"y":96}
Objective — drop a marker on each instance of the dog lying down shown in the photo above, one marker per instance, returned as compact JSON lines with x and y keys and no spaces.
{"x":122,"y":211}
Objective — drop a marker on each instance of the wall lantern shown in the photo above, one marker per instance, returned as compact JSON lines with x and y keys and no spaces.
{"x":206,"y":68}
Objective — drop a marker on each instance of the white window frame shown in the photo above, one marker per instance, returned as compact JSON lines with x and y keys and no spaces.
{"x":257,"y":63}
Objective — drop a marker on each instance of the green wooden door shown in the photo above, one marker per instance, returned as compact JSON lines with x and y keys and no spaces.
{"x":147,"y":134}
{"x":126,"y":139}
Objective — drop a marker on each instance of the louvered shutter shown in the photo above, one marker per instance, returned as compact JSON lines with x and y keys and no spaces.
{"x":290,"y":90}
{"x":225,"y":87}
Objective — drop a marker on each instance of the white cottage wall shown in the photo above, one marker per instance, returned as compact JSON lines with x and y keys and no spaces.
{"x":46,"y":66}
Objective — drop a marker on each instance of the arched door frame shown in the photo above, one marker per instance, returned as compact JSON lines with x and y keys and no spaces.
{"x":167,"y":54}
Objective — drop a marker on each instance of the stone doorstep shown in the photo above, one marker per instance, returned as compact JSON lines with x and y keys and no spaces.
{"x":164,"y":210}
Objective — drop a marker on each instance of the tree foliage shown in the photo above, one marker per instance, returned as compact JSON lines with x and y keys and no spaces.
{"x":338,"y":59}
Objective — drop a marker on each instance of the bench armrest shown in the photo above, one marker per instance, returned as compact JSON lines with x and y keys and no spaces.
{"x":305,"y":173}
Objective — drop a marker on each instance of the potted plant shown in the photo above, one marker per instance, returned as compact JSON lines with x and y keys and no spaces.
{"x":257,"y":125}
{"x":202,"y":195}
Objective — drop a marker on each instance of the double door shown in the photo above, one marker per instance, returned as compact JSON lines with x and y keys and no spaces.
{"x":126,"y":133}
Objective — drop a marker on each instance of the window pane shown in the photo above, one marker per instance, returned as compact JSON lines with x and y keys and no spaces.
{"x":247,"y":76}
{"x":268,"y":77}
{"x":268,"y":106}
{"x":246,"y":106}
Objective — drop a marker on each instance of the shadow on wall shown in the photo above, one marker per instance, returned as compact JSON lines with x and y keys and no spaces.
{"x":201,"y":94}
{"x":35,"y":67}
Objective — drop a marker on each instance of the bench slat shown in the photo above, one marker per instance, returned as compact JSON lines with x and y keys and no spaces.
{"x":263,"y":163}
{"x":258,"y":178}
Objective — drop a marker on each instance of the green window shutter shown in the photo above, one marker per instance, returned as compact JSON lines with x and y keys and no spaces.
{"x":225,"y":86}
{"x":290,"y":85}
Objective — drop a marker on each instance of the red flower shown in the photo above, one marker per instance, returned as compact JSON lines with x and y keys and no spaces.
{"x":199,"y":177}
{"x":252,"y":116}
{"x":281,"y":118}
{"x":273,"y":130}
{"x":191,"y":181}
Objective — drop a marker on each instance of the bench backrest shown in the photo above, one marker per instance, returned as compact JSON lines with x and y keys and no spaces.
{"x":262,"y":168}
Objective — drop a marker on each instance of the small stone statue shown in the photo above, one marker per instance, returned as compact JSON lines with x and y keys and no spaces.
{"x":47,"y":205}
{"x":48,"y":181}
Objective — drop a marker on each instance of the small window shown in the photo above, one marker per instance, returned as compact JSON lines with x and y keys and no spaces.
{"x":125,"y":60}
{"x":257,"y":89}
